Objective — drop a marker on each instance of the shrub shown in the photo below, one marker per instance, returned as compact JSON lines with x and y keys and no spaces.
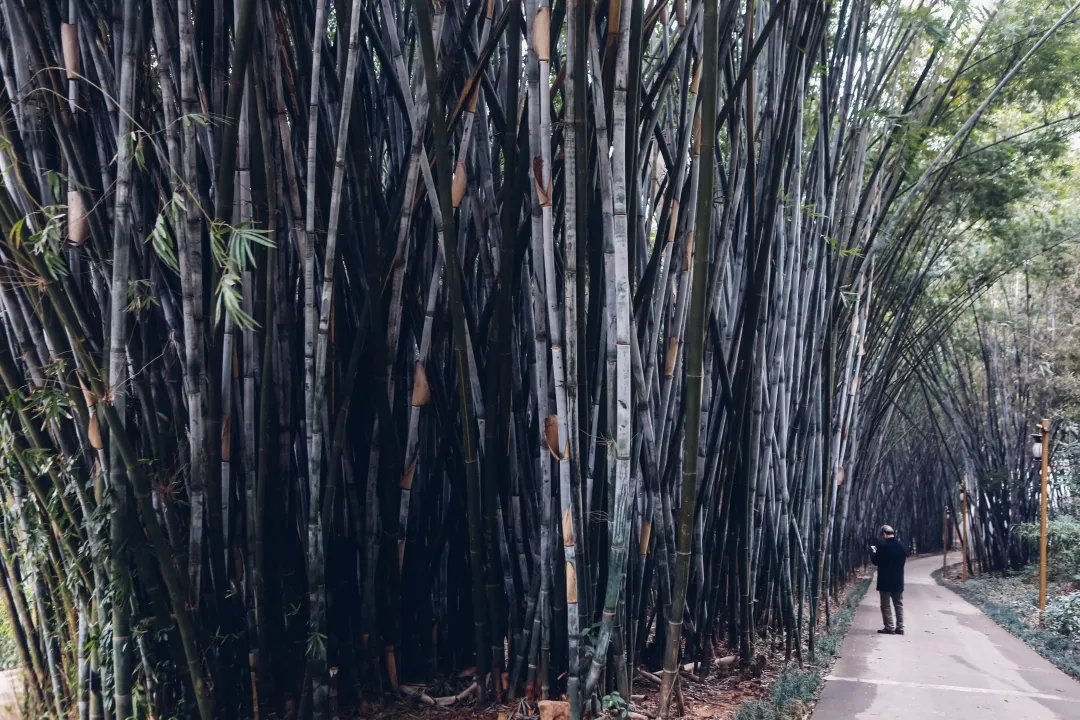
{"x":755,"y":710}
{"x":1062,"y":545}
{"x":1063,"y":614}
{"x":795,"y":686}
{"x":8,"y":656}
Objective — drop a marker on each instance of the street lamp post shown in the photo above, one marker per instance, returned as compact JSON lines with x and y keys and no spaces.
{"x":945,"y":539}
{"x":1042,"y":451}
{"x":963,"y":530}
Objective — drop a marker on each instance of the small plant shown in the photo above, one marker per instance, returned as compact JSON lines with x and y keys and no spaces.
{"x":1063,"y":614}
{"x":615,"y":704}
{"x":795,"y":686}
{"x":1062,"y":544}
{"x":755,"y":710}
{"x":8,"y":656}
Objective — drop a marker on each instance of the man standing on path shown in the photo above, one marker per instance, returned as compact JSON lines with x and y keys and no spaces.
{"x":889,"y":558}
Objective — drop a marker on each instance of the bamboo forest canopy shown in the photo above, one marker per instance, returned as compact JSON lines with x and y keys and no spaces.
{"x":350,"y":345}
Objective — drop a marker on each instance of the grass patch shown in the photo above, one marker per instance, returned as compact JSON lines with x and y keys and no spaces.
{"x":796,"y":688}
{"x":1061,"y":650}
{"x":8,"y":656}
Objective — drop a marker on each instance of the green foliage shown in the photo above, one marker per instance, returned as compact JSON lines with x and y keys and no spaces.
{"x":828,"y":644}
{"x":8,"y":655}
{"x":794,"y":686}
{"x":161,"y":235}
{"x":923,"y":18}
{"x":234,"y":252}
{"x":1050,"y":74}
{"x":50,"y":404}
{"x":755,"y":710}
{"x":1063,"y":614}
{"x":792,"y":696}
{"x":614,"y":704}
{"x":140,"y":296}
{"x":46,"y":240}
{"x":316,"y":642}
{"x":1062,"y":545}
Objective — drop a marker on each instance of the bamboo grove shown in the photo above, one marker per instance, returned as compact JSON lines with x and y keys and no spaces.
{"x":349,"y":345}
{"x":974,"y":414}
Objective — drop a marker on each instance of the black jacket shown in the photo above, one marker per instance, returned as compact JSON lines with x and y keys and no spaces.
{"x":889,"y":558}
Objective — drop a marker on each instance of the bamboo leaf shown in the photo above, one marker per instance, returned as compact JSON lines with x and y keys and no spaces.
{"x":15,"y":233}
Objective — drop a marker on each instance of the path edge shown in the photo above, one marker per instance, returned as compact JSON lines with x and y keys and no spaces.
{"x":772,"y":707}
{"x":1041,"y":637}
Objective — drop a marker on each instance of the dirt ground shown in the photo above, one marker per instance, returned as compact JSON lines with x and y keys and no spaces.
{"x":715,"y":698}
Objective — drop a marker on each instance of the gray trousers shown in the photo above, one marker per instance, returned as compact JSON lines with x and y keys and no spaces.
{"x":890,"y":600}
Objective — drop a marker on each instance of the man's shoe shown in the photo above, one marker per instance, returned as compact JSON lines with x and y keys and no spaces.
{"x":886,"y":631}
{"x":899,"y":631}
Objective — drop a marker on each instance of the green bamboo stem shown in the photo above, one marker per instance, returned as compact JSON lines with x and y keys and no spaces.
{"x":694,"y":352}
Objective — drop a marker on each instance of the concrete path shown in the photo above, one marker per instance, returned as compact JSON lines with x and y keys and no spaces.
{"x":952,"y":662}
{"x":10,"y":685}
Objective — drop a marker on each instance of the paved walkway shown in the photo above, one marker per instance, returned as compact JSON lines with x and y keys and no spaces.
{"x":10,"y":685}
{"x":953,"y":662}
